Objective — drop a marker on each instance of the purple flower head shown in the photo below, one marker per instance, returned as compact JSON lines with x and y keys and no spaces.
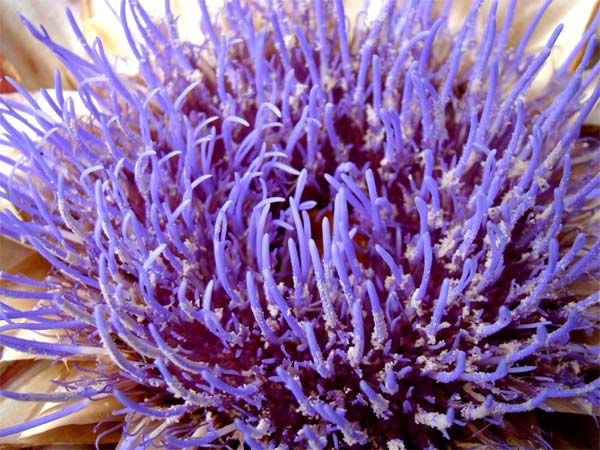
{"x":304,"y":234}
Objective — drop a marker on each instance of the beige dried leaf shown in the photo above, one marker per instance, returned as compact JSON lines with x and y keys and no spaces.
{"x":25,"y":376}
{"x":33,"y":63}
{"x":573,"y":406}
{"x":12,"y":252}
{"x":41,"y":377}
{"x":71,"y":437}
{"x":91,"y":415}
{"x":100,"y":16}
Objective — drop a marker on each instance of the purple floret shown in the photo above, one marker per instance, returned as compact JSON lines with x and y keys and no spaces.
{"x":302,"y":234}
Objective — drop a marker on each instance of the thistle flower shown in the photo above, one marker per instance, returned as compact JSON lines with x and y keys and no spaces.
{"x":297,"y":234}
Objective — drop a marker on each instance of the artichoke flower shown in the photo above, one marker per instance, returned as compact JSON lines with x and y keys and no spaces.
{"x":285,"y":229}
